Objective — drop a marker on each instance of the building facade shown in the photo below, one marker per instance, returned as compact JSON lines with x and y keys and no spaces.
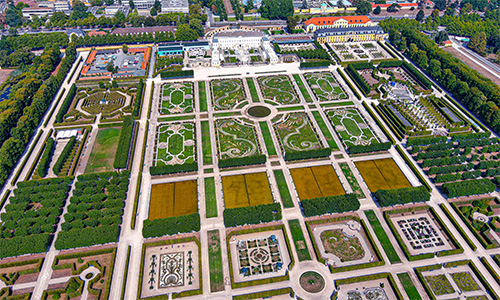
{"x":314,"y":24}
{"x":350,"y":34}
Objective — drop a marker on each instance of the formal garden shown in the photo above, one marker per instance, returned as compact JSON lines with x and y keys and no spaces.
{"x":359,"y":51}
{"x":278,"y":89}
{"x":226,"y":93}
{"x":352,"y":127}
{"x":235,"y":138}
{"x":324,"y":86}
{"x":175,"y":144}
{"x":296,"y":133}
{"x":176,"y":98}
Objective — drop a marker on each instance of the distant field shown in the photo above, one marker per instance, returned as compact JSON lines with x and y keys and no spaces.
{"x":173,"y":199}
{"x":382,"y":174}
{"x":318,"y":181}
{"x":246,"y":190}
{"x":104,"y":150}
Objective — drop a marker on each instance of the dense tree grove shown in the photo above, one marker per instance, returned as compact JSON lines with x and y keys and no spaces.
{"x":171,"y":226}
{"x":263,"y":213}
{"x":66,"y":104}
{"x":31,"y":217}
{"x":124,"y":142}
{"x":95,"y":211}
{"x":31,"y":95}
{"x":468,"y":187}
{"x":276,"y":9}
{"x":329,"y":205}
{"x":298,"y":155}
{"x":64,"y":155}
{"x":369,"y":148}
{"x":402,"y":196}
{"x":43,"y":164}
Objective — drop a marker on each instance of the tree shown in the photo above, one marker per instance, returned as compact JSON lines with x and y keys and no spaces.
{"x":377,"y":10}
{"x":157,"y":5}
{"x":131,"y":4}
{"x":420,"y":15}
{"x":185,"y":33}
{"x":441,"y":37}
{"x":466,"y":8}
{"x":304,"y":4}
{"x":124,"y":48}
{"x":249,"y":6}
{"x":394,"y":7}
{"x":435,"y":14}
{"x":291,"y":22}
{"x":153,"y":11}
{"x":276,"y":9}
{"x":363,"y":7}
{"x":79,"y":11}
{"x":149,"y":22}
{"x":478,"y":42}
{"x":435,"y":68}
{"x":195,"y":24}
{"x":440,"y":4}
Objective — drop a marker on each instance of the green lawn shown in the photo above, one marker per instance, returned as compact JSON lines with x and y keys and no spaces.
{"x":410,"y":289}
{"x":302,"y":88}
{"x":206,"y":144}
{"x":283,"y":188}
{"x":202,"y":94}
{"x":104,"y":150}
{"x":267,"y":138}
{"x":328,"y":135}
{"x":299,"y":240}
{"x":382,"y":237}
{"x":210,"y":198}
{"x":349,"y":175}
{"x":253,"y":90}
{"x":215,"y":262}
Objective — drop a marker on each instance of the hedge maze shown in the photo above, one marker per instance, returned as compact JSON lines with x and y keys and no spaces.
{"x":324,"y":86}
{"x":226,"y":93}
{"x":352,"y":127}
{"x":95,"y":212}
{"x":278,"y":89}
{"x":176,"y":98}
{"x":236,"y":139}
{"x":175,"y":144}
{"x":31,"y":217}
{"x":103,"y":102}
{"x":296,"y":133}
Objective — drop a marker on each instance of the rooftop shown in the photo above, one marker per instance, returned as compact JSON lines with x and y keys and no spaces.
{"x":331,"y":20}
{"x":349,"y":29}
{"x":137,"y":30}
{"x":238,"y":33}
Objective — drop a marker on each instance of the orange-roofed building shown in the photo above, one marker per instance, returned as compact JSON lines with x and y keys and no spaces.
{"x":314,"y":24}
{"x":95,"y":32}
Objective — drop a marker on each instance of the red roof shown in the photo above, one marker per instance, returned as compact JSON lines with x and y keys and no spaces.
{"x":400,"y":4}
{"x":330,"y":20}
{"x":95,"y":32}
{"x":448,"y":42}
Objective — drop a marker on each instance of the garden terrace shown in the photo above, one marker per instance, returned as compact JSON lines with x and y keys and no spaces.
{"x":236,"y":139}
{"x":347,"y":52}
{"x":296,"y":133}
{"x":382,"y":174}
{"x":352,"y":127}
{"x":278,"y":89}
{"x":317,"y":181}
{"x":31,"y":216}
{"x":175,"y":144}
{"x":173,"y":199}
{"x":95,"y":212}
{"x":246,"y":190}
{"x":227,"y":93}
{"x":324,"y":86}
{"x":176,"y":98}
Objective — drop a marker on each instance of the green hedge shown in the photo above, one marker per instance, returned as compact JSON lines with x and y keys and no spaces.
{"x":64,"y":155}
{"x":314,"y":64}
{"x":309,"y":154}
{"x":413,"y":168}
{"x":402,"y":196}
{"x":468,"y":187}
{"x":418,"y":75}
{"x":66,"y":104}
{"x":242,"y":161}
{"x":169,"y":169}
{"x":360,"y":81}
{"x":353,"y":89}
{"x":138,"y":99}
{"x":459,"y":228}
{"x":330,"y":205}
{"x":263,"y":213}
{"x":43,"y":165}
{"x":416,"y":141}
{"x":356,"y":149}
{"x":379,"y":123}
{"x":176,"y":74}
{"x":123,"y":148}
{"x":171,"y":226}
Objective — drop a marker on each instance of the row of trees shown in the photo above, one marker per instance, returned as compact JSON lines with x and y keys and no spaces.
{"x":468,"y":188}
{"x":138,"y":98}
{"x":329,"y":205}
{"x":402,"y":196}
{"x":309,"y":154}
{"x":66,"y":104}
{"x":263,"y":213}
{"x":43,"y":164}
{"x":373,"y":147}
{"x":124,"y":142}
{"x":171,"y":226}
{"x":58,"y":166}
{"x":242,"y":161}
{"x":170,"y":169}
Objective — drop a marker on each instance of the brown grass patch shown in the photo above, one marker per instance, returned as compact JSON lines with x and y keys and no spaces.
{"x":173,"y":199}
{"x":246,"y":190}
{"x":317,"y":181}
{"x":382,"y":174}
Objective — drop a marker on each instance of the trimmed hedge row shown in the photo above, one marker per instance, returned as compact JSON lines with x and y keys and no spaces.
{"x":64,"y":155}
{"x":171,"y":226}
{"x":176,"y":74}
{"x":468,"y":187}
{"x":43,"y":165}
{"x":459,"y":228}
{"x":242,"y":161}
{"x":356,"y":149}
{"x":138,"y":99}
{"x":123,"y":148}
{"x":309,"y":154}
{"x":425,"y":141}
{"x":349,"y":83}
{"x":169,"y":169}
{"x":413,"y":168}
{"x":418,"y":75}
{"x":329,"y":205}
{"x":360,"y":81}
{"x":263,"y":213}
{"x":402,"y":196}
{"x":66,"y":104}
{"x":379,"y":123}
{"x":314,"y":64}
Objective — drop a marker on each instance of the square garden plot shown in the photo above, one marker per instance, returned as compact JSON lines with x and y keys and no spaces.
{"x":278,"y":89}
{"x":296,"y":133}
{"x":175,"y":144}
{"x":352,"y":127}
{"x":226,"y":93}
{"x":324,"y":86}
{"x":173,"y":199}
{"x":317,"y":181}
{"x":176,"y":98}
{"x":382,"y":174}
{"x":171,"y":266}
{"x":236,"y":139}
{"x":103,"y":151}
{"x":246,"y":190}
{"x":370,"y":287}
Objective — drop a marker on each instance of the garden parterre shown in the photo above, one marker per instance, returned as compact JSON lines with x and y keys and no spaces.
{"x":227,"y":93}
{"x":236,"y":139}
{"x":324,"y":86}
{"x":278,"y":89}
{"x":175,"y":144}
{"x":296,"y":133}
{"x":352,"y":127}
{"x":317,"y":181}
{"x":176,"y":98}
